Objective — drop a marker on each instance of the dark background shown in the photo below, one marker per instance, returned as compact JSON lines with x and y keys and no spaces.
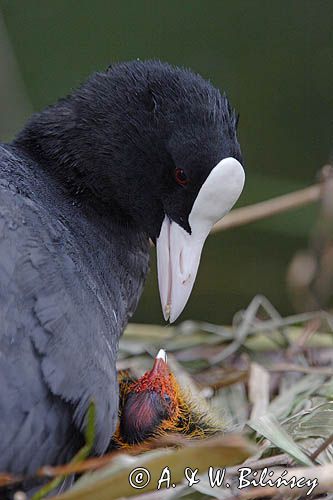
{"x":273,"y":58}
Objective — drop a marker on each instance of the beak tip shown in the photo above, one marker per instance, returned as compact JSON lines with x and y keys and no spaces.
{"x":169,"y":315}
{"x":177,"y":310}
{"x":162,"y":355}
{"x":167,"y":312}
{"x":172,"y":318}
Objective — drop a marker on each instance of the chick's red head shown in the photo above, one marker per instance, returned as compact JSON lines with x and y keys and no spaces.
{"x":151,"y":400}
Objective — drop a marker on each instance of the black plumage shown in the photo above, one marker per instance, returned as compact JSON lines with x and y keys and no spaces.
{"x":82,"y":189}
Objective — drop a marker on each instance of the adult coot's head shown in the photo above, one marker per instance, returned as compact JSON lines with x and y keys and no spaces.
{"x":155,"y":145}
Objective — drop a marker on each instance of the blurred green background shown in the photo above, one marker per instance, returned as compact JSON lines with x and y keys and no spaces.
{"x":273,"y":58}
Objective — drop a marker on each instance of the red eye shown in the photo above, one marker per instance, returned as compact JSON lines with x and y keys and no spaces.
{"x":181,"y":177}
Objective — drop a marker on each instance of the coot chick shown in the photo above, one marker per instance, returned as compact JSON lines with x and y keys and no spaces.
{"x":156,"y":405}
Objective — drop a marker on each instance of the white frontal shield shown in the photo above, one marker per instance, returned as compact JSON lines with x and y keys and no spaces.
{"x":178,"y":252}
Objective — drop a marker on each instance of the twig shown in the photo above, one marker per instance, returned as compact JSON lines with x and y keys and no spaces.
{"x":240,"y":333}
{"x":7,"y":479}
{"x":299,"y":346}
{"x":94,"y":463}
{"x":322,"y":447}
{"x":290,"y":367}
{"x":243,"y":329}
{"x":265,"y":209}
{"x":281,"y":459}
{"x":89,"y":464}
{"x":272,"y":324}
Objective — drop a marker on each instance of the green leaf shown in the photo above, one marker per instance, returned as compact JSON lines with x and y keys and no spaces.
{"x":268,"y":427}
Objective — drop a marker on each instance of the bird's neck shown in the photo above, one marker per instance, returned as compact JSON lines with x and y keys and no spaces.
{"x":56,"y":140}
{"x":70,"y":146}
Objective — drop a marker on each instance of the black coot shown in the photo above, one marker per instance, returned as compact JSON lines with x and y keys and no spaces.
{"x":143,"y":150}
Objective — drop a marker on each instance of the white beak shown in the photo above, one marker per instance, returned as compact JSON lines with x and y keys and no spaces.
{"x":162,"y":355}
{"x":178,"y":252}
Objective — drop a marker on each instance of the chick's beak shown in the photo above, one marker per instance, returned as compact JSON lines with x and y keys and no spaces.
{"x":160,"y":366}
{"x":178,"y":252}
